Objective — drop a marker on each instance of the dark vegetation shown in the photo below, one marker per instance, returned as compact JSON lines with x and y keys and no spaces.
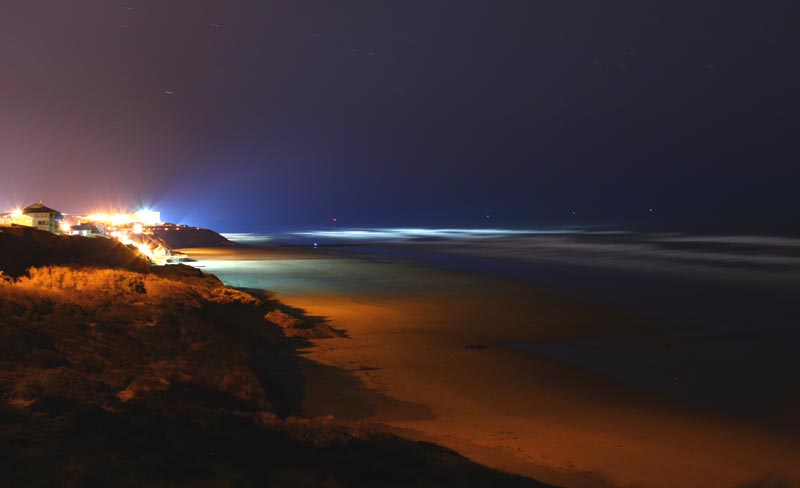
{"x":181,"y":236}
{"x":23,"y":247}
{"x":165,"y":378}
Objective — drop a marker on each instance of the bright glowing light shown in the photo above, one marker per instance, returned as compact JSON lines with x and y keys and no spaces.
{"x":145,"y":217}
{"x":16,"y":213}
{"x":120,"y":219}
{"x":64,"y":227}
{"x":143,"y":248}
{"x":148,"y":217}
{"x":410,"y":233}
{"x":138,"y":228}
{"x":113,"y":219}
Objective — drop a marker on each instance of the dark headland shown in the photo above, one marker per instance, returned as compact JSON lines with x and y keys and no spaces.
{"x":181,"y":236}
{"x":116,"y":372}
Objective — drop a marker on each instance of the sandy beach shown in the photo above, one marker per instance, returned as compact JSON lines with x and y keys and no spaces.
{"x":433,"y":352}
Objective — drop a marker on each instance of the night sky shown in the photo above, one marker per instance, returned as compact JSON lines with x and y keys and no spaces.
{"x":246,"y":115}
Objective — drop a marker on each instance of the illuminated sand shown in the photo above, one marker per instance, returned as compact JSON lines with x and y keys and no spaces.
{"x":434,"y":342}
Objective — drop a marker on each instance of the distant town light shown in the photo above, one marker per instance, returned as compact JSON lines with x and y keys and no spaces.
{"x":148,"y":217}
{"x":113,"y":219}
{"x":145,"y":217}
{"x":120,"y":219}
{"x":120,"y":225}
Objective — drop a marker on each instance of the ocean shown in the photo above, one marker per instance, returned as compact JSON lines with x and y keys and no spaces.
{"x":726,"y":305}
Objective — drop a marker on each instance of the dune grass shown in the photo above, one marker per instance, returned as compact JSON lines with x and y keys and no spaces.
{"x":169,"y":378}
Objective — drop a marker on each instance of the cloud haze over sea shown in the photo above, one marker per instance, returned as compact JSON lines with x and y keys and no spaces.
{"x":773,"y":260}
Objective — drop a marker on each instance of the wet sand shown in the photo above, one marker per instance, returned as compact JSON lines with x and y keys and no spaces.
{"x":434,"y":344}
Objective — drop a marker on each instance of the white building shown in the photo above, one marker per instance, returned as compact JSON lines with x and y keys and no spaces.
{"x":88,"y":230}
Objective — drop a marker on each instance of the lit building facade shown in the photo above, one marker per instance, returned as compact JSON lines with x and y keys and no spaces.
{"x":44,"y":218}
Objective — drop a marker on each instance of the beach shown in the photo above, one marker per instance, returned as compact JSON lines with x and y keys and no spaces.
{"x":437,"y":353}
{"x":169,"y":378}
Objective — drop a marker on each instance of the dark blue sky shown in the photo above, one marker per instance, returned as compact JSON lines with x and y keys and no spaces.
{"x":244,"y":115}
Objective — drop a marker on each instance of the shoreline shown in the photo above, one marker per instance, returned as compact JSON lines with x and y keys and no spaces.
{"x":516,"y":411}
{"x":170,"y":377}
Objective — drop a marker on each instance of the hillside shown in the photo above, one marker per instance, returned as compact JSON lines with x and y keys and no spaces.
{"x":23,"y":247}
{"x":170,"y":378}
{"x":181,"y":236}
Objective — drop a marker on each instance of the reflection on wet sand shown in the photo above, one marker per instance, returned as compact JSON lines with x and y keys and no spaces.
{"x":433,"y":347}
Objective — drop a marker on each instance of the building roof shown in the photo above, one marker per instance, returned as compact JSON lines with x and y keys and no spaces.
{"x":38,"y":208}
